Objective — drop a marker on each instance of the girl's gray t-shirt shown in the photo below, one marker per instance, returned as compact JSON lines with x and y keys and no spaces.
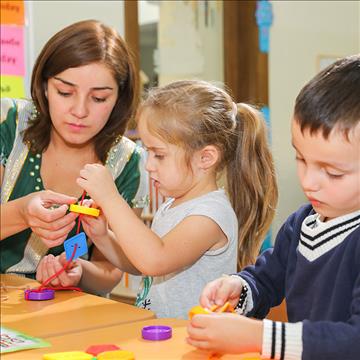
{"x":173,"y":295}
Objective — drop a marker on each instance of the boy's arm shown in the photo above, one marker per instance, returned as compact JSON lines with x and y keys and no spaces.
{"x":312,"y":339}
{"x":265,"y":279}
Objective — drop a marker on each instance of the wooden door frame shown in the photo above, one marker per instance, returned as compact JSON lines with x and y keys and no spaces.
{"x":131,"y":21}
{"x":245,"y":67}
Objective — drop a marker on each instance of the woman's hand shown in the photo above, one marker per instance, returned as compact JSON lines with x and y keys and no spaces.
{"x":221,"y":290}
{"x":50,"y":264}
{"x":50,"y":223}
{"x":225,"y":333}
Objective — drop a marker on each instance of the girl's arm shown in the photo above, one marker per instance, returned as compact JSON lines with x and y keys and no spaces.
{"x":98,"y":275}
{"x":97,"y":229}
{"x":149,"y":253}
{"x":153,"y":255}
{"x":105,"y":241}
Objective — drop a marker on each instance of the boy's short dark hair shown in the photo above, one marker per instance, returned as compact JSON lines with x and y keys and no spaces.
{"x":331,"y":99}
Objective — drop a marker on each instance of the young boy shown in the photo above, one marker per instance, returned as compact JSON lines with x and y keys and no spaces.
{"x":315,"y":263}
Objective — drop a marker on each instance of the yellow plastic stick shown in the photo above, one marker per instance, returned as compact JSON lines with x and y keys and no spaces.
{"x":116,"y":355}
{"x":68,"y":355}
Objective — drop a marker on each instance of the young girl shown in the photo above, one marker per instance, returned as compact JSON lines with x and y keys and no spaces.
{"x":83,"y":93}
{"x":192,"y":130}
{"x":315,"y":264}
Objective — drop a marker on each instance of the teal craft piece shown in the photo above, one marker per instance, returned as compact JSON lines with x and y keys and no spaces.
{"x":267,"y":241}
{"x":267,"y":244}
{"x":266,"y":113}
{"x":264,"y":19}
{"x":146,"y":283}
{"x":69,"y":244}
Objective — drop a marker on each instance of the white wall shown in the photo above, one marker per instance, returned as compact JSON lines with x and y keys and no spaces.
{"x":48,"y":17}
{"x":190,"y":41}
{"x":148,"y":12}
{"x":302,"y":31}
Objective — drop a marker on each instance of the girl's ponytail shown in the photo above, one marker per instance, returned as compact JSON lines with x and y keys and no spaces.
{"x":251,"y":183}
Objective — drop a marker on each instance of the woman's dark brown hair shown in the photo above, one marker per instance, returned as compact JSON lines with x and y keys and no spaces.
{"x":79,"y":44}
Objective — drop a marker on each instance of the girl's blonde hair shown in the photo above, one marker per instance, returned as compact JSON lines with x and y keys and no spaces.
{"x":193,"y":114}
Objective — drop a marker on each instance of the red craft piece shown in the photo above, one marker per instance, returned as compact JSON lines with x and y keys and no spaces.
{"x":97,"y":349}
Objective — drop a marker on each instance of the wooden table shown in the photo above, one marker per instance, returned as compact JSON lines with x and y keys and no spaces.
{"x":128,"y":337}
{"x":69,"y":312}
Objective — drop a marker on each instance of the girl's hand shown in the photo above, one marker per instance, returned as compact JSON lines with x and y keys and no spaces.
{"x":221,"y":290}
{"x":95,"y":228}
{"x":97,"y":181}
{"x":52,"y":225}
{"x":225,"y":333}
{"x":51,"y":264}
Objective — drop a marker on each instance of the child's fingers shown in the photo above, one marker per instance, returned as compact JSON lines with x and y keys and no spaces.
{"x":197,"y":335}
{"x":229,"y":290}
{"x":63,"y":261}
{"x":49,"y":270}
{"x":63,"y":277}
{"x":62,"y":258}
{"x":40,"y":270}
{"x":203,"y":345}
{"x":95,"y":205}
{"x":88,"y":203}
{"x":44,"y":269}
{"x":208,"y":295}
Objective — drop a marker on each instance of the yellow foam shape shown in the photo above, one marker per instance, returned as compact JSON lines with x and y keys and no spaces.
{"x":84,"y":210}
{"x":226,"y":308}
{"x":68,"y":355}
{"x":215,"y":308}
{"x":116,"y":355}
{"x":198,"y":310}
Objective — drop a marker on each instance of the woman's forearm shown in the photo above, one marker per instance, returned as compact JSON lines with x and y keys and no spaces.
{"x":12,"y":218}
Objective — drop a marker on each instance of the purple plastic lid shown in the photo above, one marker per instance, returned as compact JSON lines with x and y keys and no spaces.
{"x":44,"y":294}
{"x":156,"y":332}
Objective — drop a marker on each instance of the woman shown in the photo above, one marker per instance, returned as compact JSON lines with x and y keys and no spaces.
{"x":83,"y":95}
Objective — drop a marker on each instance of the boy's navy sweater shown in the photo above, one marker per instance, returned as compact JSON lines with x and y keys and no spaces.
{"x":323,"y":293}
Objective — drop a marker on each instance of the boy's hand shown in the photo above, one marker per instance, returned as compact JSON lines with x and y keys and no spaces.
{"x":51,"y":264}
{"x":225,"y":333}
{"x":97,"y":181}
{"x":221,"y":290}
